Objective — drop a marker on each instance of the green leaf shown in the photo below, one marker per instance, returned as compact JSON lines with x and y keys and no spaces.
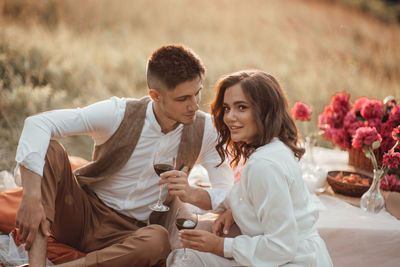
{"x":376,"y":144}
{"x":366,"y":152}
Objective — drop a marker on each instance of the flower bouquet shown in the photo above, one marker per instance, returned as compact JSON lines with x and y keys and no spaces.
{"x":341,"y":119}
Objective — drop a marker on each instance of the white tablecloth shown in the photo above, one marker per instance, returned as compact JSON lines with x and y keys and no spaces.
{"x":355,"y":238}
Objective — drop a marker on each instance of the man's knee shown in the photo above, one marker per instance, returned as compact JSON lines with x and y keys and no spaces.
{"x":156,"y":242}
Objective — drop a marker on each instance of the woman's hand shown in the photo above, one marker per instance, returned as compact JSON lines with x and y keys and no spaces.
{"x":202,"y":241}
{"x":222,"y":225}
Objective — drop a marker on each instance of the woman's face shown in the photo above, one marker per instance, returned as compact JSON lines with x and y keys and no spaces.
{"x":239,"y":115}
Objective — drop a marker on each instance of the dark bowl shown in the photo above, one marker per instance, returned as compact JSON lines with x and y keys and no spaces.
{"x":347,"y":189}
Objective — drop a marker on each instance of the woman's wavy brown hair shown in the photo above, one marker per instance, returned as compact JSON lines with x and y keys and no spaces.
{"x":271,"y":109}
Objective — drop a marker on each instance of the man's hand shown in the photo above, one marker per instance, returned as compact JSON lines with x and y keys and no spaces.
{"x":222,"y":225}
{"x":202,"y":241}
{"x":177,"y":184}
{"x":31,"y":215}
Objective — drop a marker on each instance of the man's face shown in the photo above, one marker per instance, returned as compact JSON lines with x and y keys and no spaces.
{"x":181,"y":103}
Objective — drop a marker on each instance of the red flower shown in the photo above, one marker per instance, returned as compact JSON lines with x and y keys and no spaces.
{"x":372,"y":109}
{"x":374,"y":122}
{"x":351,"y":124}
{"x":341,"y":138}
{"x":396,"y":133}
{"x":301,"y":111}
{"x":359,"y":103}
{"x":391,"y":159}
{"x":392,"y":184}
{"x":340,"y":103}
{"x":386,"y":133}
{"x":365,"y":136}
{"x":334,"y":114}
{"x":237,"y":173}
{"x":394,"y":116}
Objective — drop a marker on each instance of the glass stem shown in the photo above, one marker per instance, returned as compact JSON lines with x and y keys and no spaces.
{"x":184,"y":254}
{"x":159,"y":195}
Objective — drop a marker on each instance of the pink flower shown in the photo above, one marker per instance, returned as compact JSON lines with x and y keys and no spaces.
{"x":351,"y":124}
{"x":323,"y":120}
{"x":359,"y":103}
{"x":330,"y":118}
{"x":396,"y":133}
{"x":365,"y":136}
{"x":340,"y":103}
{"x":341,"y":138}
{"x":372,"y":109}
{"x":237,"y":173}
{"x":301,"y":111}
{"x":392,"y":184}
{"x":391,"y":160}
{"x":374,"y":122}
{"x":394,"y":116}
{"x":327,"y":133}
{"x":386,"y":133}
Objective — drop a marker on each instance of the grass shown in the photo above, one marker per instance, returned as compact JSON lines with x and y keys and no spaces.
{"x":385,"y":10}
{"x":61,"y":54}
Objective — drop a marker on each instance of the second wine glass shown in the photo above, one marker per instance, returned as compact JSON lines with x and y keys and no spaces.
{"x":186,"y":218}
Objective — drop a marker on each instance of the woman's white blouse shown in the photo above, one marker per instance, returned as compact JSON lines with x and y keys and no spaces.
{"x":272,"y":208}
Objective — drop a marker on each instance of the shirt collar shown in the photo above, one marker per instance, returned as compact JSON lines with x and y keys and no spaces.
{"x":151,"y":118}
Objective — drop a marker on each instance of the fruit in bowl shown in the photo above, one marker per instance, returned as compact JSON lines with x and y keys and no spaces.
{"x":352,"y":178}
{"x":349,"y":183}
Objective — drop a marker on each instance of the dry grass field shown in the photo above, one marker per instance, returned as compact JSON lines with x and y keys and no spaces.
{"x":61,"y":54}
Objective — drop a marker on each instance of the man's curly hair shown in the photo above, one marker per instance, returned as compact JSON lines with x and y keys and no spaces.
{"x":171,"y":65}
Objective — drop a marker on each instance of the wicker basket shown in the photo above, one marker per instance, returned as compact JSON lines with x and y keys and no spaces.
{"x":348,"y":189}
{"x":358,"y":159}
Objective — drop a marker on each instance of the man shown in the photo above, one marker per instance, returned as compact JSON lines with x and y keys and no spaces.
{"x":103,"y":208}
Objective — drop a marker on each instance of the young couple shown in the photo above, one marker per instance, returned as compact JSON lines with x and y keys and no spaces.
{"x":103,"y":209}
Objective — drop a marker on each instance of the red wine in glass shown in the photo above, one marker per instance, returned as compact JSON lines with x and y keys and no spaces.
{"x":182,"y":223}
{"x":161,"y":164}
{"x":161,"y":167}
{"x":185,"y":218}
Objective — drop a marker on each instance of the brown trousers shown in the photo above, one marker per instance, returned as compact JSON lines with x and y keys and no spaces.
{"x":78,"y":218}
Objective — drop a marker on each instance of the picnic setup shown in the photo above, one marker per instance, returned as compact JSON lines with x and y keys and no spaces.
{"x":199,"y":133}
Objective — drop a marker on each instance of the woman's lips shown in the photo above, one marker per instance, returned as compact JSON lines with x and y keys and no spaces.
{"x":235,"y":129}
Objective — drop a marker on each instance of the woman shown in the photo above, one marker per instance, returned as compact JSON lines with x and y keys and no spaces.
{"x":270,"y":204}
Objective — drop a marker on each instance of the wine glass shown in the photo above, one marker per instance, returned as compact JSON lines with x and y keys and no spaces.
{"x":185,"y":218}
{"x":162,"y":164}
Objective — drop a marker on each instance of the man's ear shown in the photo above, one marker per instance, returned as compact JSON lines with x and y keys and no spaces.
{"x":155,"y":95}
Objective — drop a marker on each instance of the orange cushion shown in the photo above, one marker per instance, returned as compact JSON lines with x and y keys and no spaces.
{"x":9,"y":202}
{"x":77,"y":162}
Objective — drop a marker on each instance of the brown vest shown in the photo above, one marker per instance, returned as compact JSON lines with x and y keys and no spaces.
{"x":110,"y":157}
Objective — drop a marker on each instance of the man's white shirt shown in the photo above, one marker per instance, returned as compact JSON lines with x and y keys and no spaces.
{"x":134,"y":187}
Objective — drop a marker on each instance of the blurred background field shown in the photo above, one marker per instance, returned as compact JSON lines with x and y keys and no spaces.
{"x":70,"y":53}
